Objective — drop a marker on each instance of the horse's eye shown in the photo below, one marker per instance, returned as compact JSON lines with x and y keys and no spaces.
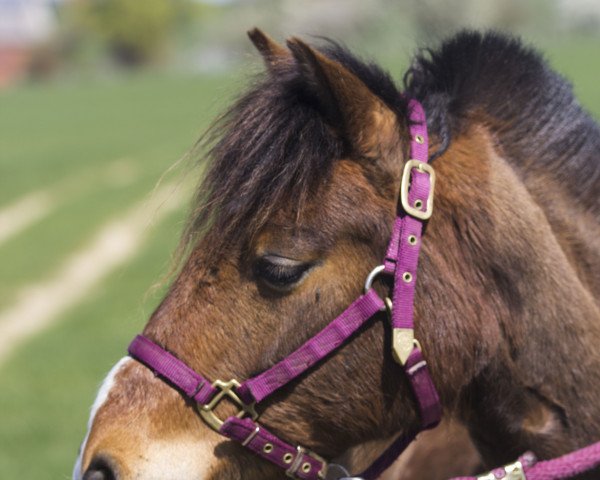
{"x":280,"y":272}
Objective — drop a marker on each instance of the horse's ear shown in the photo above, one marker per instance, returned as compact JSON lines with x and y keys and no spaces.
{"x":272,"y":52}
{"x":348,"y":105}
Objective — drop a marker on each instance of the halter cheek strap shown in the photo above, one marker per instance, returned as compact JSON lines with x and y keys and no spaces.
{"x":416,"y":204}
{"x":402,"y":259}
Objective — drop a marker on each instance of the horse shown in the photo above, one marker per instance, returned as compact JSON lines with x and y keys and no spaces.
{"x":297,"y":206}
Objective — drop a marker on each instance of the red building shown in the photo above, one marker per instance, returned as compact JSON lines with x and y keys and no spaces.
{"x":24,"y":26}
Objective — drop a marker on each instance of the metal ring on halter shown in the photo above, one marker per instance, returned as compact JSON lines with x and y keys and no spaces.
{"x":338,"y":472}
{"x":369,"y":283}
{"x":372,"y":276}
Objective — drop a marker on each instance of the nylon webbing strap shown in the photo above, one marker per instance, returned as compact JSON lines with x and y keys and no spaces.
{"x":401,"y":261}
{"x":561,"y":468}
{"x":163,"y":363}
{"x":314,"y":350}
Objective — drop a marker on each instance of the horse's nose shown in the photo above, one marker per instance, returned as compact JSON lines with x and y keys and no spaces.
{"x":100,"y":469}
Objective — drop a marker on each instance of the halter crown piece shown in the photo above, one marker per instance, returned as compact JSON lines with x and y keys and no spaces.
{"x":416,"y":199}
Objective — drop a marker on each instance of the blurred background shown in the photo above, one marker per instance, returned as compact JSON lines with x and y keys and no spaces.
{"x":100,"y":103}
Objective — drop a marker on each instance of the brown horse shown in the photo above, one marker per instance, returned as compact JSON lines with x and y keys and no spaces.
{"x":295,"y":210}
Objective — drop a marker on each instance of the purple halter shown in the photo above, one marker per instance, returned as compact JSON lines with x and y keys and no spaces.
{"x":401,"y":260}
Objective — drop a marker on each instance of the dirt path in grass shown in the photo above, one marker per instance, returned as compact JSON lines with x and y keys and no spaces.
{"x":24,"y":212}
{"x":38,"y":306}
{"x":33,"y":207}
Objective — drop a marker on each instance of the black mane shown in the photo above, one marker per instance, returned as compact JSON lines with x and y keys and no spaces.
{"x":273,"y":145}
{"x":532,"y":110}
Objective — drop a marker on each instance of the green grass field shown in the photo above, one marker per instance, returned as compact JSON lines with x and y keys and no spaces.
{"x":98,"y":148}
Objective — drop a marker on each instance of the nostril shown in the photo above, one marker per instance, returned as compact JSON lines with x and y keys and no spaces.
{"x":99,"y":469}
{"x":95,"y":475}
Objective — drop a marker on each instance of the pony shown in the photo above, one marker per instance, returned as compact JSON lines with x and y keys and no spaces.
{"x":296,"y":208}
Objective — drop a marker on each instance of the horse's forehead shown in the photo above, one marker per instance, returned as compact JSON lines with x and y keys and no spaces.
{"x":345,"y":194}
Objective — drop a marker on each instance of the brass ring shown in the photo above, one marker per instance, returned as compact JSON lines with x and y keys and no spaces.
{"x":287,"y":458}
{"x":268,"y":448}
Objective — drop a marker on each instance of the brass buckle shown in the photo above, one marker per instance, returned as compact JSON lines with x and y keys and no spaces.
{"x":512,"y":471}
{"x":410,"y":209}
{"x":296,"y":464}
{"x":226,"y":390}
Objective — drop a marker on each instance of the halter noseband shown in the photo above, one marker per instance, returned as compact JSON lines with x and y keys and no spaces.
{"x":401,"y":260}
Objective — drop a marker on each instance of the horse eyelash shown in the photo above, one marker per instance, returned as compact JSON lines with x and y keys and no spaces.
{"x":280,"y":275}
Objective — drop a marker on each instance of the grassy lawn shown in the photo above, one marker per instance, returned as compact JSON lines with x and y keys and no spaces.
{"x":99,"y":148}
{"x":578,"y":60}
{"x":49,"y":384}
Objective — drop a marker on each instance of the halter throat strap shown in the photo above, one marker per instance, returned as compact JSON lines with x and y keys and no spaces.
{"x":401,"y":260}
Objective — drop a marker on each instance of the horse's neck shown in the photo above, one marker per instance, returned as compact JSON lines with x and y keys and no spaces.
{"x":535,"y":365}
{"x":575,"y":228}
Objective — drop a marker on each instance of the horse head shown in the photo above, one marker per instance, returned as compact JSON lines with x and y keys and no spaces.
{"x":296,"y":208}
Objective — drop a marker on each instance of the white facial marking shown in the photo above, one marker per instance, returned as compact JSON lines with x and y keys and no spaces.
{"x":105,"y":388}
{"x":179,"y":459}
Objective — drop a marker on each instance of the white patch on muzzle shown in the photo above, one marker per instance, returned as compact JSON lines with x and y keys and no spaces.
{"x":105,"y":389}
{"x":179,"y":459}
